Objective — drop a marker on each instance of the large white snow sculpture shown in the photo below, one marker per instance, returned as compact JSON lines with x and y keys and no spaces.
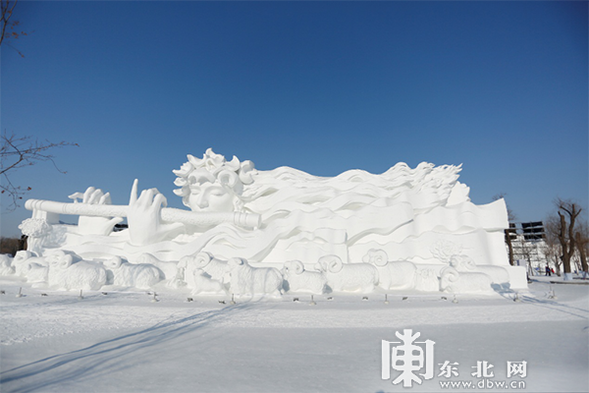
{"x":271,"y":217}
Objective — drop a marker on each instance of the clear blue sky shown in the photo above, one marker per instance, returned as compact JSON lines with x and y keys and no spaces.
{"x":501,"y":87}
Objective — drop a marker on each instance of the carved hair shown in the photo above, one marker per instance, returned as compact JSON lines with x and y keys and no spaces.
{"x":212,"y":168}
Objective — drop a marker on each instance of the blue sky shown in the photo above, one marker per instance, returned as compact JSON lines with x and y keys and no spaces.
{"x":500,"y":87}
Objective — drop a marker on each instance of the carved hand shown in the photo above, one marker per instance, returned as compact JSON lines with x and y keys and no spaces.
{"x":95,"y":225}
{"x":144,"y":217}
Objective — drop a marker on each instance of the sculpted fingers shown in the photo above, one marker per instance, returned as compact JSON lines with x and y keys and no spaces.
{"x":75,"y":196}
{"x":95,"y":196}
{"x":114,"y":221}
{"x":88,"y":194}
{"x":160,"y":200}
{"x":145,"y":198}
{"x":105,"y":199}
{"x":133,"y":197}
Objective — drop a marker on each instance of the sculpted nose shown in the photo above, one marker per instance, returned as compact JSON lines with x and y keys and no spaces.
{"x":201,"y":200}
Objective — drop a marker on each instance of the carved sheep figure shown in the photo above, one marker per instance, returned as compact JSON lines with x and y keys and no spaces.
{"x":125,"y":274}
{"x":25,"y":261}
{"x":464,"y":263}
{"x":350,"y":277}
{"x":215,"y":268}
{"x":248,"y":280}
{"x":392,"y":275}
{"x":300,"y":280}
{"x":204,"y":284}
{"x":453,"y":281}
{"x":6,"y":268}
{"x":67,"y":271}
{"x":169,"y":269}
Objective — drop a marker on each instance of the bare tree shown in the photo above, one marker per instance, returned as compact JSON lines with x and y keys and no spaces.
{"x":582,"y":241}
{"x":9,"y":28}
{"x":551,"y":245}
{"x":19,"y":152}
{"x":568,"y":212}
{"x":509,"y":233}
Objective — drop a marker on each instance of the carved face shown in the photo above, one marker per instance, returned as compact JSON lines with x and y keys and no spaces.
{"x":212,"y":197}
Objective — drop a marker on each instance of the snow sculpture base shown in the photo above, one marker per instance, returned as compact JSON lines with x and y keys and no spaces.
{"x":252,"y":232}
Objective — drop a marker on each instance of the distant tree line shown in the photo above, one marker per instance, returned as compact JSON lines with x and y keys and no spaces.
{"x":10,"y":245}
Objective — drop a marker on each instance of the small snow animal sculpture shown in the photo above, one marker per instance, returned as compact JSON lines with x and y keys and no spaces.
{"x":350,"y":277}
{"x":215,"y":268}
{"x":25,"y":260}
{"x":463,"y":263}
{"x":125,"y":274}
{"x":67,"y":271}
{"x":391,"y":275}
{"x":27,"y":264}
{"x":248,"y":280}
{"x":204,"y":284}
{"x":453,"y":281}
{"x":6,"y":268}
{"x":301,"y":280}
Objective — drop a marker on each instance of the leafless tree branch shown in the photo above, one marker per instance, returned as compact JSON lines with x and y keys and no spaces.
{"x":18,"y":152}
{"x":9,"y":30}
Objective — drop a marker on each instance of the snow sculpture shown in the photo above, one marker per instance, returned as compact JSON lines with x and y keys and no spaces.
{"x":88,"y":225}
{"x":6,"y":268}
{"x":401,"y":275}
{"x":453,"y":281}
{"x":125,"y":274}
{"x":202,"y":272}
{"x":68,"y":271}
{"x":204,"y":284}
{"x":426,"y":280}
{"x":24,"y":261}
{"x":36,"y":229}
{"x":215,"y":268}
{"x":169,"y":270}
{"x":392,"y":275}
{"x":351,"y":277}
{"x":270,"y":217}
{"x":464,"y":263}
{"x":248,"y":280}
{"x":34,"y":269}
{"x":300,"y":280}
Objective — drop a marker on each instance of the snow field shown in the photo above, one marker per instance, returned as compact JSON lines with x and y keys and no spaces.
{"x":124,"y":342}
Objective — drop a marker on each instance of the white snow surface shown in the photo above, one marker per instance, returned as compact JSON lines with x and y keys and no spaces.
{"x":125,"y":342}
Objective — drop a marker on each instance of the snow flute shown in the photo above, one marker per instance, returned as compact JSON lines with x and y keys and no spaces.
{"x":202,"y":219}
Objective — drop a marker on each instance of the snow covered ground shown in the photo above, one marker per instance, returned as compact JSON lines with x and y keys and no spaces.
{"x":124,"y":342}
